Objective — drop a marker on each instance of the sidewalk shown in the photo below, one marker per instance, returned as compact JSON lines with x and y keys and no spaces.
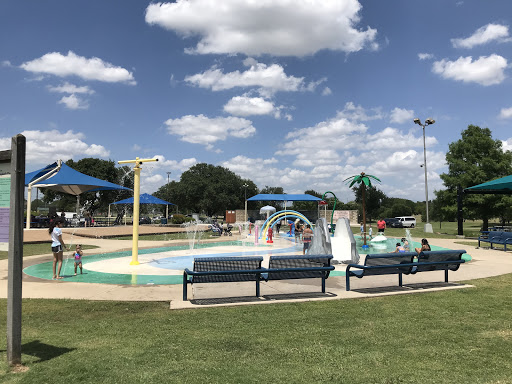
{"x":485,"y":263}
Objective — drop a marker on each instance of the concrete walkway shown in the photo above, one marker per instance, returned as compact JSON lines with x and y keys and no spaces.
{"x":485,"y":263}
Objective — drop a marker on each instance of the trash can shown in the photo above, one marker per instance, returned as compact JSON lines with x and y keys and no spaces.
{"x":163,"y":221}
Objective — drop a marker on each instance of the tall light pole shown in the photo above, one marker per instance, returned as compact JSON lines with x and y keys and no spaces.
{"x":167,"y":206}
{"x":245,"y":198}
{"x":429,"y":121}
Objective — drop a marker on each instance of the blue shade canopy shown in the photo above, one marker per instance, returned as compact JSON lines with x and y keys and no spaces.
{"x":501,"y":185}
{"x":144,"y":199}
{"x":283,"y":197}
{"x":70,"y":181}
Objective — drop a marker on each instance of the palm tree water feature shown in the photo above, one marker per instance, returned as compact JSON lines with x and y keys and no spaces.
{"x":363,"y":180}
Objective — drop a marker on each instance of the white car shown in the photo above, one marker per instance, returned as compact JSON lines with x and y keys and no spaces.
{"x":407,"y":221}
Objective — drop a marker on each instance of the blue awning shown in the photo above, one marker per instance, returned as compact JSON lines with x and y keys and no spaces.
{"x":283,"y":197}
{"x":144,"y":199}
{"x":70,"y":181}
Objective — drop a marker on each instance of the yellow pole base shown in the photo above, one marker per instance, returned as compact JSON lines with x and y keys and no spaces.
{"x":134,"y":262}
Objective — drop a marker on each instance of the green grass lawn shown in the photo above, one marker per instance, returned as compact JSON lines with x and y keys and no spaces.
{"x":456,"y":336}
{"x":39,"y":249}
{"x":446,"y":230}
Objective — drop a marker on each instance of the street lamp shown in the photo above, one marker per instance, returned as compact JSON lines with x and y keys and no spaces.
{"x":429,"y":121}
{"x":245,"y":197}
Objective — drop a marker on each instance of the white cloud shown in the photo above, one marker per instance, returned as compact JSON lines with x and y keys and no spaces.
{"x":6,"y":63}
{"x":248,"y":106}
{"x":327,"y":91}
{"x":55,"y":63}
{"x":71,"y":88}
{"x":312,"y":145}
{"x":274,"y":27}
{"x":392,"y":138}
{"x":483,"y":35}
{"x":507,"y":144}
{"x":45,"y":147}
{"x":505,"y":113}
{"x":207,"y":131}
{"x":173,"y":165}
{"x":425,"y":56}
{"x":263,"y":173}
{"x":358,"y":113}
{"x":74,"y":102}
{"x":487,"y":70}
{"x":400,"y":116}
{"x":408,"y":162}
{"x":272,"y":78}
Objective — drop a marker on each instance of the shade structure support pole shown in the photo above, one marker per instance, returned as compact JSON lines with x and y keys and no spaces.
{"x":29,"y":207}
{"x":460,"y":225}
{"x":29,"y":189}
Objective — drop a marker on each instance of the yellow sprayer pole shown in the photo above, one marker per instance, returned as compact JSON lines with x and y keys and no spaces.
{"x":136,"y":214}
{"x":136,"y":205}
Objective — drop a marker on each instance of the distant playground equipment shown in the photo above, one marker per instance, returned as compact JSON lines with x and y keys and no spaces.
{"x":333,"y":208}
{"x":272,"y":220}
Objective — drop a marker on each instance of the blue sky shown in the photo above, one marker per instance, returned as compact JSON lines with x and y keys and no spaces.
{"x":291,"y":93}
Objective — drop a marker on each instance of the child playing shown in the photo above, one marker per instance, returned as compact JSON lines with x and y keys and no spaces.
{"x":405,"y":244}
{"x":78,"y":257}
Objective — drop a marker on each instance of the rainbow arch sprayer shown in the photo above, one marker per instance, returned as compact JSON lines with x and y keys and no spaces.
{"x":272,"y":220}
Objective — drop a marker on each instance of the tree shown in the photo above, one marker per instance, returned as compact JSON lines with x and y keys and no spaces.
{"x":474,"y":159}
{"x":363,"y":180}
{"x":208,"y":189}
{"x":270,"y":191}
{"x":307,"y":205}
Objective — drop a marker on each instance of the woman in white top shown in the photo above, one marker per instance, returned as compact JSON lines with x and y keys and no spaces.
{"x":57,"y":246}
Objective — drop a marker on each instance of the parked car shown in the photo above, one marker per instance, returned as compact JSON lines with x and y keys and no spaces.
{"x":393,"y":223}
{"x":145,"y":220}
{"x":407,"y":221}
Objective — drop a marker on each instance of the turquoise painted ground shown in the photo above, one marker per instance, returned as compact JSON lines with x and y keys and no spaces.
{"x":44,"y":270}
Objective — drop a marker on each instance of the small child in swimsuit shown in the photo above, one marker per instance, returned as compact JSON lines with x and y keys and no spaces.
{"x":78,"y":258}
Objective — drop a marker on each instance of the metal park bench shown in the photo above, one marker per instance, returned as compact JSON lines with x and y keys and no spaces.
{"x":299,"y":267}
{"x":236,"y":269}
{"x":224,"y":269}
{"x":494,"y":237}
{"x":404,"y":264}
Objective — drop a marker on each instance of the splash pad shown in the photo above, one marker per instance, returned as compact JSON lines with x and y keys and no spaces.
{"x":163,"y":265}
